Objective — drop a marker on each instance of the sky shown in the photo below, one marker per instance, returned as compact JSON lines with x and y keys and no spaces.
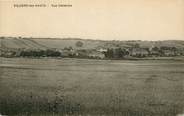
{"x":95,"y":19}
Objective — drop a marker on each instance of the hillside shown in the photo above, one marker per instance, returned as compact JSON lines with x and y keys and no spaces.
{"x":45,"y":43}
{"x":48,"y":43}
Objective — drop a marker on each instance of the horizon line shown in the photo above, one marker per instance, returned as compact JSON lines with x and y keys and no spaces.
{"x":78,"y":38}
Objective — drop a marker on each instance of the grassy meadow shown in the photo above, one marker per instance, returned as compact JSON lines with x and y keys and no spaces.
{"x":57,"y":87}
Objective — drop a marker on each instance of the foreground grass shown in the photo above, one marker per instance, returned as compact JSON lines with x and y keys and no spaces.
{"x":52,"y":87}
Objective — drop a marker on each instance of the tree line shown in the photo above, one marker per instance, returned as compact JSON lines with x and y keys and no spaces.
{"x":40,"y":53}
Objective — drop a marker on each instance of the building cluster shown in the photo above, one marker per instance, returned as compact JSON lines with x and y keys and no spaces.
{"x":140,"y":52}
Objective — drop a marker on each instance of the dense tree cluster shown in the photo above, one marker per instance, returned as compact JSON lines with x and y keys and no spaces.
{"x":79,"y":44}
{"x":40,"y":53}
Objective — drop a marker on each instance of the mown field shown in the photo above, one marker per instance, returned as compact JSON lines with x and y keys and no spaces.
{"x":56,"y":87}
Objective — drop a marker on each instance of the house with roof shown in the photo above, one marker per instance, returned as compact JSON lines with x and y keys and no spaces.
{"x":139,"y":52}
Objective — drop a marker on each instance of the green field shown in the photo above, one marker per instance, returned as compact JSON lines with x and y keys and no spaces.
{"x":91,"y":87}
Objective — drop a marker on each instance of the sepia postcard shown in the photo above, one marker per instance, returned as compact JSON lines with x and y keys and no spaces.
{"x":91,"y":57}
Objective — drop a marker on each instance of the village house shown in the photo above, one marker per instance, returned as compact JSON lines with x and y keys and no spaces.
{"x":168,"y":52}
{"x":96,"y":54}
{"x":139,"y":52}
{"x":102,"y":50}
